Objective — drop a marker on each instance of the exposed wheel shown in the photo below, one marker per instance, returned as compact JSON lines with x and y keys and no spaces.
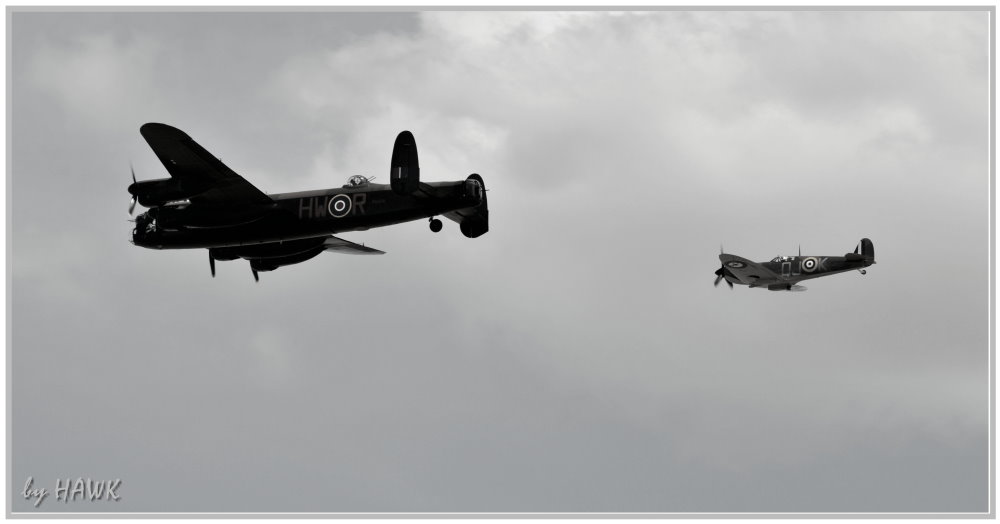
{"x":436,"y":225}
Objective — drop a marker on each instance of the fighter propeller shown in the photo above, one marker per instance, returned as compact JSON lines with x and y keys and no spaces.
{"x":721,"y":272}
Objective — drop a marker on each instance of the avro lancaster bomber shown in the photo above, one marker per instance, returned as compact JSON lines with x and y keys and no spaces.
{"x":204,"y":204}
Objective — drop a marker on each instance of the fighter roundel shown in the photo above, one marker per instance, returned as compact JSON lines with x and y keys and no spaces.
{"x":783,"y":273}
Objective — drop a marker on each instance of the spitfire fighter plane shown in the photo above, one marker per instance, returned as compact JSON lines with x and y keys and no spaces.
{"x":783,"y":273}
{"x":204,"y":204}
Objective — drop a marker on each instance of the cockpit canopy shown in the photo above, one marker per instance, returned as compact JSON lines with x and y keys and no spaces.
{"x":782,"y":258}
{"x":357,"y":181}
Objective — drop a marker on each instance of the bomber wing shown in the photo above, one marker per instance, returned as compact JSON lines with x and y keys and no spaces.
{"x":211,"y":181}
{"x":339,"y":245}
{"x":748,"y":271}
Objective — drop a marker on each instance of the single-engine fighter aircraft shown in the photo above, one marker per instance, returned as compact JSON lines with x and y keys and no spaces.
{"x":204,"y":204}
{"x":783,"y":273}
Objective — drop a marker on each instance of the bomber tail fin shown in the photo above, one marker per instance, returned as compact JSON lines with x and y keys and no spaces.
{"x":404,"y":172}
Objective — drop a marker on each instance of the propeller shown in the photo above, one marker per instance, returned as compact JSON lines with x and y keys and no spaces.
{"x":721,"y":272}
{"x":131,"y":205}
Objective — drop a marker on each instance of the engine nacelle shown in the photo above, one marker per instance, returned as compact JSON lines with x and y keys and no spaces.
{"x":222,"y":253}
{"x":153,"y":193}
{"x":270,"y":264}
{"x":404,"y":171}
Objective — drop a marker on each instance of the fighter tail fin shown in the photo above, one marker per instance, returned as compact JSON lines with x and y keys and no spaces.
{"x":865,"y":248}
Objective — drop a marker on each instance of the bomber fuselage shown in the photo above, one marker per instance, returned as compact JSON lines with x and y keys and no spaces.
{"x":292,"y":216}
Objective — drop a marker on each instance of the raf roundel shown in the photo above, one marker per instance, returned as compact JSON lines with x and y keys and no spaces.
{"x":339,"y":206}
{"x":809,"y":264}
{"x":736,"y":264}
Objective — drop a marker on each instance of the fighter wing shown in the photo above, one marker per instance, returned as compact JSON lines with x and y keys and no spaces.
{"x":339,"y":245}
{"x":748,"y":271}
{"x":209,"y":180}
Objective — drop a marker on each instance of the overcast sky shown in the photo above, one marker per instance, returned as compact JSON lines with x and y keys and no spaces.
{"x":575,"y":358}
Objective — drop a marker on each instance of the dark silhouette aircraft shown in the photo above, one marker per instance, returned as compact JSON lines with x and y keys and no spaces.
{"x":784,"y":272}
{"x":204,"y":204}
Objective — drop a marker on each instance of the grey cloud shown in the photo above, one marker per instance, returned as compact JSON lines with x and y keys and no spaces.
{"x":576,"y":358}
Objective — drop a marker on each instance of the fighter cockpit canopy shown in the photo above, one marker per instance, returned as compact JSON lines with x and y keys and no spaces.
{"x":782,"y":258}
{"x":358,"y":181}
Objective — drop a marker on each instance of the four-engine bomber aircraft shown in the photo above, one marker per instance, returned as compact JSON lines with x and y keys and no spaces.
{"x":204,"y":204}
{"x":784,"y":272}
